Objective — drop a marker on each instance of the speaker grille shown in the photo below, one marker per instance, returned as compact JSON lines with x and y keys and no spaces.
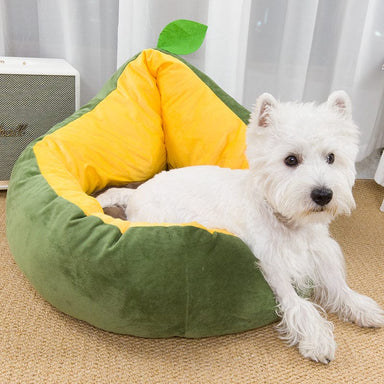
{"x":29,"y":106}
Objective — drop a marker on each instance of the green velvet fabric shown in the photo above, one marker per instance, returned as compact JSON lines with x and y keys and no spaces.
{"x":150,"y":281}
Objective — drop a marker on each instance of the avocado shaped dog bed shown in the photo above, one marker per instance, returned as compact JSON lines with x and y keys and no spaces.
{"x":143,"y":279}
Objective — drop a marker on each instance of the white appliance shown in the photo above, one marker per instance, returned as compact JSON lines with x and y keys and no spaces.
{"x":35,"y":94}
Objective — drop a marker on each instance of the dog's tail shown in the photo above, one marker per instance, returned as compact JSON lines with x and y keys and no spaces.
{"x":115,"y":197}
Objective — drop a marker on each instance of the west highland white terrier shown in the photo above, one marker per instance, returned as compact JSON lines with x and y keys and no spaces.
{"x":301,"y":171}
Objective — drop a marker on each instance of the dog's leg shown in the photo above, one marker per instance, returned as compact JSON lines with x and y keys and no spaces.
{"x":301,"y":322}
{"x":334,"y":294}
{"x":114,"y":196}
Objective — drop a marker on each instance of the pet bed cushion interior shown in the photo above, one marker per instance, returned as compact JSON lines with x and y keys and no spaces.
{"x":144,"y":279}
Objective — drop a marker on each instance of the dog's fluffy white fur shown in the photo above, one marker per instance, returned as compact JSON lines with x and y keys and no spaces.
{"x":301,"y":172}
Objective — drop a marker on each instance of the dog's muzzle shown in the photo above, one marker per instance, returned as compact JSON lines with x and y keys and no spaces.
{"x":321,"y":196}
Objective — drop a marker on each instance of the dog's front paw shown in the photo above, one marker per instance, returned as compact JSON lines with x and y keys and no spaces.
{"x":320,"y":346}
{"x":303,"y":325}
{"x":363,"y":311}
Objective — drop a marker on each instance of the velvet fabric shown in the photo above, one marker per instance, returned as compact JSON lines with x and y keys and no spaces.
{"x":144,"y":279}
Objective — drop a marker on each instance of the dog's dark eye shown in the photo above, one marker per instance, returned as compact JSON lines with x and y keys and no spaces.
{"x":291,"y":161}
{"x":330,"y":158}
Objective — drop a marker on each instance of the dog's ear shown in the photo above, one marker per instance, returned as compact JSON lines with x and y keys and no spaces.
{"x":340,"y":102}
{"x":263,"y":109}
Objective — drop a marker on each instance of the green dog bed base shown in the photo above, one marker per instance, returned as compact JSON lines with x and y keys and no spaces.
{"x":142,"y":279}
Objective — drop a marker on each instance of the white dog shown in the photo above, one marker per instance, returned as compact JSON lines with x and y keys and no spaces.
{"x":301,"y":172}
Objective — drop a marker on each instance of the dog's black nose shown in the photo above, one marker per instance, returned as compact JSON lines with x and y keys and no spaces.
{"x":321,"y":196}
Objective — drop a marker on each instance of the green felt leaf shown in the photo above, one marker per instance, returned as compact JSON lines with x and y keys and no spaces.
{"x":182,"y":37}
